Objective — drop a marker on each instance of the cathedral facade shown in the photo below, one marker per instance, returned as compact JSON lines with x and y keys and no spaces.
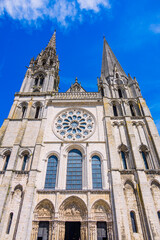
{"x":79,"y":165}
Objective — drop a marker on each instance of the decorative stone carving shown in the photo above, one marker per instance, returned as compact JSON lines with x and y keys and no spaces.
{"x":73,"y":209}
{"x":44,"y":210}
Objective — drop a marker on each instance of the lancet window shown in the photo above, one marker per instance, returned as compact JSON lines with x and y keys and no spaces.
{"x":7,"y":157}
{"x":96,"y":173}
{"x":9,"y":222}
{"x":144,"y":156}
{"x":124,"y":160}
{"x":133,"y":221}
{"x":51,"y":173}
{"x":25,"y":160}
{"x":74,"y":170}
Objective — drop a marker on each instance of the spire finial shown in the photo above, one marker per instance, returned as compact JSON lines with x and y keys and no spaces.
{"x":76,"y":80}
{"x":52,"y":42}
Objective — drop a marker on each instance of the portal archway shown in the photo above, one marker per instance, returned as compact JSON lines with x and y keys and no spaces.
{"x":42,"y":227}
{"x":73,"y":217}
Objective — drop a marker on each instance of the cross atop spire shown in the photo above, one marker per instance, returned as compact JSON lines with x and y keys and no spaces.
{"x":110,"y":63}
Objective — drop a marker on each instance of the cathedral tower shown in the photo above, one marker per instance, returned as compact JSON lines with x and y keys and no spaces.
{"x":77,"y":164}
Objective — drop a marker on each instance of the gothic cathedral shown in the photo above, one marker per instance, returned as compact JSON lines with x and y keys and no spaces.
{"x":79,"y":165}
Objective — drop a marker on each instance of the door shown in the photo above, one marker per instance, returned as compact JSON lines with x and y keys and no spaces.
{"x":43,"y":231}
{"x":72,"y":230}
{"x":101,"y":231}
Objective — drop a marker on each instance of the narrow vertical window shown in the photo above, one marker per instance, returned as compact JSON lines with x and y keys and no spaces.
{"x":74,"y":170}
{"x":123,"y":156}
{"x":133,"y":221}
{"x":51,"y":173}
{"x":25,"y":158}
{"x":158,"y":213}
{"x":145,"y":160}
{"x":23,"y":111}
{"x":6,"y":161}
{"x":41,"y":81}
{"x":37,"y":111}
{"x":36,"y":81}
{"x":132,"y":110}
{"x":9,"y":222}
{"x":115,"y":111}
{"x":96,"y":173}
{"x":120,"y":93}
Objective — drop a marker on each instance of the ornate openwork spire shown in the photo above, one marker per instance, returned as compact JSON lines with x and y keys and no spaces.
{"x":52,"y":42}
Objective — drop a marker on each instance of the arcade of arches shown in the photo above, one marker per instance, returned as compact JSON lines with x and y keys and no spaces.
{"x":73,"y":221}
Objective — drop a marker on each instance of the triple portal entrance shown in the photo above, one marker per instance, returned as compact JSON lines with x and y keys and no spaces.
{"x":72,"y":231}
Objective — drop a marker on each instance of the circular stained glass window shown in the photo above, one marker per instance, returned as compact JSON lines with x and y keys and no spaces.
{"x":74,"y":124}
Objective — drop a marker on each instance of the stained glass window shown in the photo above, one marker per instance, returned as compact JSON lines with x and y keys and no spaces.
{"x":96,"y":173}
{"x":51,"y":172}
{"x":74,"y":170}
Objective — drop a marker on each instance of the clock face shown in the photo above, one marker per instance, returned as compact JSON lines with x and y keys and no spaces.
{"x":74,"y":124}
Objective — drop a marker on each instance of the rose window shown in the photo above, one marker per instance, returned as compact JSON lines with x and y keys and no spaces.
{"x":74,"y":124}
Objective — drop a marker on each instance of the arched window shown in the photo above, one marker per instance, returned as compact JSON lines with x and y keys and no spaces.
{"x":24,"y":108}
{"x":132,"y":109}
{"x":9,"y":222}
{"x":41,"y":81}
{"x":74,"y":170}
{"x":7,"y":157}
{"x":120,"y":93}
{"x":158,"y":213}
{"x":123,"y":156}
{"x":96,"y":173}
{"x":51,"y":173}
{"x":133,"y":221}
{"x":24,"y":165}
{"x":115,"y":110}
{"x":145,"y":159}
{"x":36,"y":81}
{"x":37,"y":111}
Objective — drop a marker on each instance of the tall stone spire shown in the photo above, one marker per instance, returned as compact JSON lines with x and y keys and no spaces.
{"x":43,"y":72}
{"x":110,"y":63}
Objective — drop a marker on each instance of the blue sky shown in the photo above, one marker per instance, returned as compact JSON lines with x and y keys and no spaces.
{"x":132,"y":28}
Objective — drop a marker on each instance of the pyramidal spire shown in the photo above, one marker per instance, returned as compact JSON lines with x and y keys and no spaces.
{"x":110,"y":62}
{"x":52,"y":42}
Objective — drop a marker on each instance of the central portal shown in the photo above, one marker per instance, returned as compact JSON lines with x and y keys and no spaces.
{"x":72,"y":230}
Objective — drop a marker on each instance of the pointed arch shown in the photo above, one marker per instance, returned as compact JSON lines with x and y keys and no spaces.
{"x":101,"y":211}
{"x":129,"y":183}
{"x":44,"y":210}
{"x":73,"y":208}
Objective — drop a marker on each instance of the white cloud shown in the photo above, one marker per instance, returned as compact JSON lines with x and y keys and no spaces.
{"x":93,"y":4}
{"x":155,"y":28}
{"x":60,"y":10}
